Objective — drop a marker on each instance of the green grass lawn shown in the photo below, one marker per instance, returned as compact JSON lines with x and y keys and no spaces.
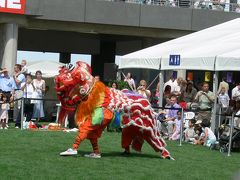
{"x":35,"y":155}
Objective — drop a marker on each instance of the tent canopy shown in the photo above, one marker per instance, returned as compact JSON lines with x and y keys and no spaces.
{"x":228,"y":61}
{"x":48,"y":68}
{"x":198,"y":51}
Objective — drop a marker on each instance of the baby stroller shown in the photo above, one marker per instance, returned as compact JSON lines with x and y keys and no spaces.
{"x":225,"y":136}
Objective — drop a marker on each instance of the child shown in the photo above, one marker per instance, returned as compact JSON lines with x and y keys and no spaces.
{"x":209,"y":137}
{"x":199,"y":134}
{"x":4,"y":111}
{"x":1,"y":95}
{"x":177,"y":127}
{"x":24,"y":66}
{"x":189,"y":133}
{"x":223,"y":99}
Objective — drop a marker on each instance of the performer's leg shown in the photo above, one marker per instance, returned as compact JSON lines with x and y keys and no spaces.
{"x":165,"y":153}
{"x":83,"y":134}
{"x":96,"y":152}
{"x":95,"y":147}
{"x":137,"y":143}
{"x":159,"y":146}
{"x":80,"y":137}
{"x":126,"y":139}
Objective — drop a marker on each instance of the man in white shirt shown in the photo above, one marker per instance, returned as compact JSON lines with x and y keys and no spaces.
{"x":19,"y":78}
{"x":171,"y":83}
{"x":177,"y":86}
{"x":236,"y":92}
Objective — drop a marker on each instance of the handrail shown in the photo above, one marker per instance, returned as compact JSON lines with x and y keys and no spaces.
{"x":217,"y":5}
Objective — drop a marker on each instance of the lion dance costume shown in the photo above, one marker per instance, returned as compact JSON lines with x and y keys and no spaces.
{"x":98,"y":106}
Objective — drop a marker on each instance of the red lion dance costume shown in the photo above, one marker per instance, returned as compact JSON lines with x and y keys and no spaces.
{"x":97,"y":106}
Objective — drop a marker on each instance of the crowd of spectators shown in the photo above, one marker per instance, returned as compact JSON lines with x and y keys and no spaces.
{"x":13,"y":88}
{"x":179,"y":93}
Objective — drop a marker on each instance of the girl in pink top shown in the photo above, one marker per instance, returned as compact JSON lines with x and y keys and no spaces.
{"x":4,"y":111}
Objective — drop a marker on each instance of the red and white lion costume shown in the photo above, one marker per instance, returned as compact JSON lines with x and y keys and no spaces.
{"x":96,"y":107}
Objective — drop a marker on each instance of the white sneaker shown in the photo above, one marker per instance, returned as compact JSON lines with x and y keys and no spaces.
{"x":1,"y":127}
{"x":69,"y":152}
{"x":93,"y":155}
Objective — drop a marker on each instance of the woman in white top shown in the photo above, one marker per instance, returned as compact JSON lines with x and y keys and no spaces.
{"x":28,"y":90}
{"x":40,"y":87}
{"x":130,"y":81}
{"x":143,"y":91}
{"x":209,"y":137}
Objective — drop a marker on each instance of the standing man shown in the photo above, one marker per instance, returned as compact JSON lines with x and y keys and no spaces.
{"x":19,"y":78}
{"x":205,"y":100}
{"x":236,"y":92}
{"x":171,"y":83}
{"x":7,"y":84}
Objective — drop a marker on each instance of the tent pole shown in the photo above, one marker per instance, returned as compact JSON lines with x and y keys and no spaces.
{"x":152,"y":82}
{"x":161,"y":84}
{"x":215,"y":88}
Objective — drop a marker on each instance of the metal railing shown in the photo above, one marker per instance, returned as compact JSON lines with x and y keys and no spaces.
{"x":231,"y":122}
{"x":218,"y":5}
{"x":231,"y":117}
{"x":19,"y":106}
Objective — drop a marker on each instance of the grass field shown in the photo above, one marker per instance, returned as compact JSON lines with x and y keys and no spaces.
{"x":35,"y":155}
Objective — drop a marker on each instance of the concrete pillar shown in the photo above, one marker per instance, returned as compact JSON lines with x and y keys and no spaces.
{"x":107,"y":55}
{"x":65,"y":57}
{"x":8,"y":46}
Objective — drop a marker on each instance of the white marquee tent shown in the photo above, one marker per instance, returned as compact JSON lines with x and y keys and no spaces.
{"x":216,"y":49}
{"x":228,"y":61}
{"x":48,"y":68}
{"x":202,"y":50}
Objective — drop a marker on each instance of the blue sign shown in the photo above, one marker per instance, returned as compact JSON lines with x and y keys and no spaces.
{"x":174,"y":60}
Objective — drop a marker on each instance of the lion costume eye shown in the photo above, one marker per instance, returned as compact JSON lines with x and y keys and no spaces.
{"x":70,"y":66}
{"x":82,"y":91}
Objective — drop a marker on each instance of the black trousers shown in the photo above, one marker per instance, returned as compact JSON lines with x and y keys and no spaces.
{"x":28,"y":111}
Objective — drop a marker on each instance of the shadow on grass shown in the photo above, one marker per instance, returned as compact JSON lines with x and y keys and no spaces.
{"x":119,"y":154}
